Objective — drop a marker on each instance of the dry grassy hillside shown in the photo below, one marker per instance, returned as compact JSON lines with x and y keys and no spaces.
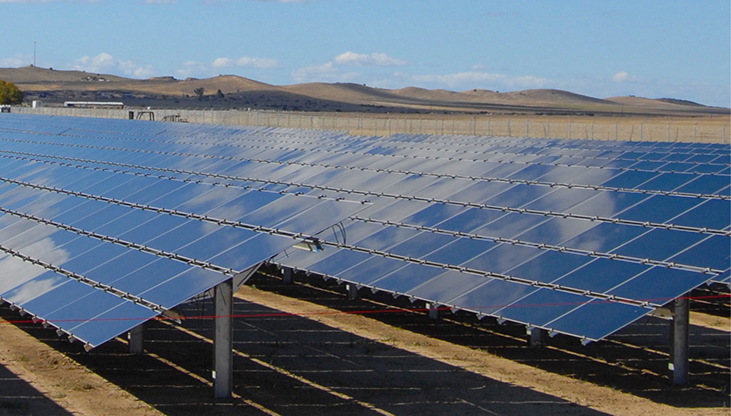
{"x":54,"y":87}
{"x":33,"y":75}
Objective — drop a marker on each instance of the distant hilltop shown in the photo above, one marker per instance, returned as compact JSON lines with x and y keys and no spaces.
{"x":231,"y":91}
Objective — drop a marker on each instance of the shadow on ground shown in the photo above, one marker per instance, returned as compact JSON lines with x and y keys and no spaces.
{"x":18,"y":398}
{"x":295,"y":366}
{"x":634,"y":360}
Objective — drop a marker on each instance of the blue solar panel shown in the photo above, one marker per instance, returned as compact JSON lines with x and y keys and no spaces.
{"x":541,"y":232}
{"x":94,"y":250}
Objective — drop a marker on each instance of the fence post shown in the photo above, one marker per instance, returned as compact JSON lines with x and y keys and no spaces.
{"x":642,"y":132}
{"x":667,"y":136}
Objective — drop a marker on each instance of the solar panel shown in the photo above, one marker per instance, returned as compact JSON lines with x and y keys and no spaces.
{"x":548,"y":233}
{"x":96,"y":251}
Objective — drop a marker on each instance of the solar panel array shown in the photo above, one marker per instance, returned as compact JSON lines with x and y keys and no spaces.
{"x":573,"y":236}
{"x":95,"y":250}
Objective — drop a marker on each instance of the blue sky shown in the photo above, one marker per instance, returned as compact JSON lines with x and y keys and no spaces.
{"x":651,"y":48}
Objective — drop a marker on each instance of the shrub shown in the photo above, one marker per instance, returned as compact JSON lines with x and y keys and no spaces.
{"x":10,"y":94}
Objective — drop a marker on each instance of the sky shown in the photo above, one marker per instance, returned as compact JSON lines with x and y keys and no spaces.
{"x":650,"y":48}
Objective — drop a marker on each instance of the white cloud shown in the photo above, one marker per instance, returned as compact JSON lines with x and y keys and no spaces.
{"x":106,"y":63}
{"x":623,"y":77}
{"x":286,"y":1}
{"x":137,"y":71}
{"x":333,"y":71}
{"x":103,"y":61}
{"x":374,"y":59}
{"x":328,"y":72}
{"x":264,"y":1}
{"x":259,"y":63}
{"x":48,"y":1}
{"x":470,"y":79}
{"x":222,"y":63}
{"x":193,"y":68}
{"x":15,"y":62}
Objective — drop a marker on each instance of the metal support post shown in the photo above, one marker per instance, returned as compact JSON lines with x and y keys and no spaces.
{"x":680,"y":340}
{"x":352,"y":291}
{"x":433,"y":310}
{"x":223,"y":340}
{"x":287,"y":275}
{"x":538,"y":337}
{"x":136,"y":338}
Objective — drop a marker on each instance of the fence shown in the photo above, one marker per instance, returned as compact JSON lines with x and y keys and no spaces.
{"x":667,"y":129}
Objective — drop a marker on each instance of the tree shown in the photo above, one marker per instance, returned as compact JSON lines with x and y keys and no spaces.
{"x":219,"y":94}
{"x":10,"y":94}
{"x":199,"y":92}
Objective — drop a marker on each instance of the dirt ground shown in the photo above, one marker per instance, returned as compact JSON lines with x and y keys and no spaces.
{"x":305,"y":349}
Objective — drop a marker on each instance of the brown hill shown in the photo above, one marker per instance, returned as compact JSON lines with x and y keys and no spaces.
{"x":343,"y":92}
{"x":437,"y":95}
{"x":654,"y":103}
{"x":228,"y":84}
{"x":32,"y":75}
{"x":55,"y":86}
{"x":39,"y":79}
{"x":551,"y":96}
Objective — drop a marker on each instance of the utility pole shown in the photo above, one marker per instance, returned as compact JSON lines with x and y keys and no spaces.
{"x":34,"y":52}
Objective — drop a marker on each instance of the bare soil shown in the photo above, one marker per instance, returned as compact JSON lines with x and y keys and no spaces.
{"x":306,"y":349}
